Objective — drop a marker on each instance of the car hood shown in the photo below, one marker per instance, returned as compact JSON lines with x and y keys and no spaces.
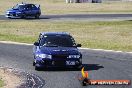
{"x":59,"y":50}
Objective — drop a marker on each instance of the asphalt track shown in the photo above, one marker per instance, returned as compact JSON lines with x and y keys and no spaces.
{"x":99,"y":64}
{"x":91,"y":17}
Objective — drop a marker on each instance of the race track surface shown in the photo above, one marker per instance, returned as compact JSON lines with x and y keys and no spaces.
{"x":100,"y":65}
{"x":91,"y":17}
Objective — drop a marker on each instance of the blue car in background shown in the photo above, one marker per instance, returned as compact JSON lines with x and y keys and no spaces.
{"x":56,"y":49}
{"x":24,"y":10}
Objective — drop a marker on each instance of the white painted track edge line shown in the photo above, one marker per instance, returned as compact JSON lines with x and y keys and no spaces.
{"x":17,"y":43}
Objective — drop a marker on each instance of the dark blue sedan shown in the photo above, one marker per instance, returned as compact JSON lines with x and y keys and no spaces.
{"x":56,"y":49}
{"x":24,"y":10}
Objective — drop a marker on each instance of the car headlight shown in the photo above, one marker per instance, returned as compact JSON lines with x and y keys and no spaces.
{"x":44,"y":56}
{"x":74,"y":56}
{"x":7,"y":12}
{"x":18,"y":12}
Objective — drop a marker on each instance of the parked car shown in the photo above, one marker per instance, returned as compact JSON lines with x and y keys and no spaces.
{"x":24,"y":10}
{"x":56,"y":49}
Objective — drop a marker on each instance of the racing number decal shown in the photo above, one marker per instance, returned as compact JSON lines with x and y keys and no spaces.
{"x":70,"y":63}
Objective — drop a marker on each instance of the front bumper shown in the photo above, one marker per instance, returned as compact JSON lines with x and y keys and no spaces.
{"x":58,"y":63}
{"x":13,"y":15}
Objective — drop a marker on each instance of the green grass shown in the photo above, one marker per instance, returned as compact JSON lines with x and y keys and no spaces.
{"x":1,"y":83}
{"x":60,"y":7}
{"x":106,"y":35}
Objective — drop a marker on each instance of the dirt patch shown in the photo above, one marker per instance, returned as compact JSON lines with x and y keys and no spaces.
{"x":10,"y":79}
{"x":14,"y":78}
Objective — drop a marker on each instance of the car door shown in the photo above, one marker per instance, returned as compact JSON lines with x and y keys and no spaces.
{"x":28,"y":10}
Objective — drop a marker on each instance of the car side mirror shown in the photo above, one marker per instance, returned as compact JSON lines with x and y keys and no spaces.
{"x":13,"y":7}
{"x":78,"y":45}
{"x":36,"y":44}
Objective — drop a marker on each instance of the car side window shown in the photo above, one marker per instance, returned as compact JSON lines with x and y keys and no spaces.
{"x":33,"y":7}
{"x":28,"y":7}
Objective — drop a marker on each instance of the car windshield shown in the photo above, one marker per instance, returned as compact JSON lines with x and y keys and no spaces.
{"x":20,"y":7}
{"x":57,"y":40}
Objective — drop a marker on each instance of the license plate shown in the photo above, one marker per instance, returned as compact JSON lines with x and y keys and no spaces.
{"x":70,"y":62}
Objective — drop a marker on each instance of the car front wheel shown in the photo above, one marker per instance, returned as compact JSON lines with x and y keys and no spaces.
{"x":33,"y":63}
{"x":37,"y":68}
{"x":23,"y":16}
{"x":37,"y":16}
{"x":79,"y":67}
{"x":9,"y":17}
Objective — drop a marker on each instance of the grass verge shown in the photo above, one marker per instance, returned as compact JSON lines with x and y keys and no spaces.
{"x":106,"y":35}
{"x":1,"y":83}
{"x":60,"y":7}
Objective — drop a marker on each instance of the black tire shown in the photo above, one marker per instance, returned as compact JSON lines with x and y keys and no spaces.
{"x":37,"y":68}
{"x":23,"y":16}
{"x":37,"y":16}
{"x":79,"y":67}
{"x":9,"y":17}
{"x":93,"y":1}
{"x":33,"y":63}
